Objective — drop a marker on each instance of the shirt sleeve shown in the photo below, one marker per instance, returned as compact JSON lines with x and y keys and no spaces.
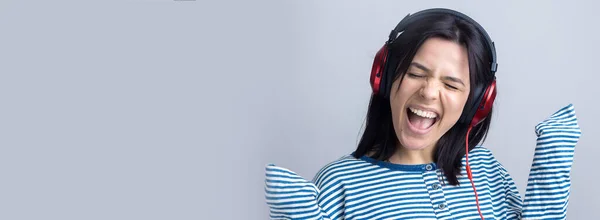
{"x":512,"y":197}
{"x":289,"y":196}
{"x":549,"y":182}
{"x":332,"y":192}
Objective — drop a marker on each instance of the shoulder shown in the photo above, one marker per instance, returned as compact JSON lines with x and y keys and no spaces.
{"x":481,"y":153}
{"x":335,"y":171}
{"x":483,"y":157}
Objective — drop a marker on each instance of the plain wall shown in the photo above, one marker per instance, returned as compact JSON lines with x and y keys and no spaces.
{"x":158,"y":109}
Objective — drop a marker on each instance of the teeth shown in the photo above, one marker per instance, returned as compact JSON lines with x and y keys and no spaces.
{"x":426,"y":114}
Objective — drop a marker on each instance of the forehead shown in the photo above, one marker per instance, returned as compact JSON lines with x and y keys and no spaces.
{"x":444,"y":57}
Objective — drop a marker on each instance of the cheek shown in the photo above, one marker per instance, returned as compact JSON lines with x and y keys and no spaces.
{"x":397,"y":107}
{"x":398,"y":100}
{"x":453,"y":106}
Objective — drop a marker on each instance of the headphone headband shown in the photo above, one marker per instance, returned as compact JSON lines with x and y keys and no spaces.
{"x":416,"y":16}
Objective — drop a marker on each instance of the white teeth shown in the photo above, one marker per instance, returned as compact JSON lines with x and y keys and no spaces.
{"x":426,"y":114}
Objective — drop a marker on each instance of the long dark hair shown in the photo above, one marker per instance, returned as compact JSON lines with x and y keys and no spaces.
{"x":379,"y":138}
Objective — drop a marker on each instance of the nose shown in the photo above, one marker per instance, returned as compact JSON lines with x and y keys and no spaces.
{"x":430,"y":90}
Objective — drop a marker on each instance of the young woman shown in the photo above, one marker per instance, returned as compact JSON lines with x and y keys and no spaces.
{"x":433,"y":90}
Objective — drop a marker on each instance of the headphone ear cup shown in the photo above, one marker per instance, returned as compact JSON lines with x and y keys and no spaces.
{"x":484,"y":106}
{"x":378,"y":70}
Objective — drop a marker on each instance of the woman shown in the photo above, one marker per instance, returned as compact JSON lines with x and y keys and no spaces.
{"x":433,"y":85}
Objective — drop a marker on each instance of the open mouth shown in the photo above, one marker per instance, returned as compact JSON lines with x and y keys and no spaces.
{"x":420,"y":120}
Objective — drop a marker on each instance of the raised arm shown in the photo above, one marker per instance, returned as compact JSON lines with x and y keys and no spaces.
{"x":549,"y":183}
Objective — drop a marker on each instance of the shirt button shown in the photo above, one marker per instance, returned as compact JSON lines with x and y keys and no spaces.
{"x":428,"y":167}
{"x":436,"y":186}
{"x":442,"y":206}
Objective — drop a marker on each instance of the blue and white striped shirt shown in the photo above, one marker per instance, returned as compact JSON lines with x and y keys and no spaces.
{"x":363,"y":188}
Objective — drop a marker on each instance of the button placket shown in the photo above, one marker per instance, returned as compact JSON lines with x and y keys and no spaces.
{"x":436,"y":192}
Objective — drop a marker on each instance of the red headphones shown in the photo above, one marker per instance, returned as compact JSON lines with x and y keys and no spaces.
{"x":483,"y":96}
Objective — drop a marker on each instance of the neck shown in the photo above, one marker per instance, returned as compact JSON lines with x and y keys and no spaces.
{"x":407,"y":156}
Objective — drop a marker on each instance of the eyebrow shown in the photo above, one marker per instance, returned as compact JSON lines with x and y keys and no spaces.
{"x":449,"y":78}
{"x":420,"y":66}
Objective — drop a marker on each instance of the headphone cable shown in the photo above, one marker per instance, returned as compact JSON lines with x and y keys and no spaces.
{"x":471,"y":175}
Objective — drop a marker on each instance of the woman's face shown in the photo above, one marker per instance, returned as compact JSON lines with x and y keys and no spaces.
{"x":432,"y":95}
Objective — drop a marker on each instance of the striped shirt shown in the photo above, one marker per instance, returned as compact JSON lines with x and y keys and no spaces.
{"x":364,"y":188}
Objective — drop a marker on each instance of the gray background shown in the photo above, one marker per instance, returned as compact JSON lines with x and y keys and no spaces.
{"x":156,"y":109}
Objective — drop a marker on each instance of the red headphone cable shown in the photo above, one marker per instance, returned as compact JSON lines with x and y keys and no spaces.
{"x":470,"y":174}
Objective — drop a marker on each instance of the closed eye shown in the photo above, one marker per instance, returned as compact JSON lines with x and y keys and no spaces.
{"x":451,"y":87}
{"x":415,"y":75}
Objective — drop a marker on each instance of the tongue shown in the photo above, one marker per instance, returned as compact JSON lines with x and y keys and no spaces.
{"x":420,"y":122}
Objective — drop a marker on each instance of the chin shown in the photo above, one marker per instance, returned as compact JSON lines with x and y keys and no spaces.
{"x":414,"y":144}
